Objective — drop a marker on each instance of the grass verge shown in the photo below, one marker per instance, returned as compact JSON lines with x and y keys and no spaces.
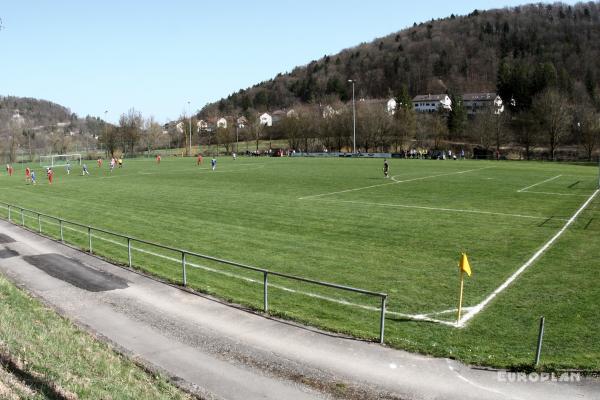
{"x":44,"y":356}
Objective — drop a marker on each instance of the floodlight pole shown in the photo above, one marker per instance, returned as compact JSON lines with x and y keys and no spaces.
{"x":190,"y":146}
{"x":353,"y":118}
{"x":237,"y":137}
{"x":105,"y":125}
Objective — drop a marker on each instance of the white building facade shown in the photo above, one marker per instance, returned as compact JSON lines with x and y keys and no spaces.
{"x":430,"y":103}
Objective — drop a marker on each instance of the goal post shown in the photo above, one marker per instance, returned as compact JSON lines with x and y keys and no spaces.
{"x":56,"y":160}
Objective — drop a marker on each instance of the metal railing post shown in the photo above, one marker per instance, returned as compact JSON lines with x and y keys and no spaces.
{"x":183,"y":269}
{"x":129,"y":251}
{"x":382,"y":319}
{"x":22,"y":217}
{"x":60,"y":224}
{"x":266,"y":290}
{"x":90,"y":238}
{"x":538,"y":351}
{"x":9,"y":213}
{"x":40,"y":223}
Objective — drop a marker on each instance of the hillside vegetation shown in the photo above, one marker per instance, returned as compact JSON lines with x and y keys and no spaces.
{"x":459,"y":54}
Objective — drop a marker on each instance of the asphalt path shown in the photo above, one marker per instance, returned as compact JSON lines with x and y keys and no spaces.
{"x":220,"y":351}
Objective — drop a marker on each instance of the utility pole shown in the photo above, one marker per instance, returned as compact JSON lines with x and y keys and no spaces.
{"x":353,"y":118}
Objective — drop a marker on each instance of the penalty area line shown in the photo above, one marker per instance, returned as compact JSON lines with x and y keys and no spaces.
{"x":479,"y":307}
{"x":389,"y":183}
{"x":555,"y":194}
{"x":539,"y":183}
{"x":456,"y":210}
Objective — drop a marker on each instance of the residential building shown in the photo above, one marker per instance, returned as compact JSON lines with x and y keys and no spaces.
{"x":241,"y":122}
{"x":202,"y":125}
{"x":391,"y":106}
{"x":432,"y":102}
{"x":266,"y":120}
{"x":278,"y":115}
{"x":477,"y":102}
{"x":329,"y":112}
{"x":222,"y":123}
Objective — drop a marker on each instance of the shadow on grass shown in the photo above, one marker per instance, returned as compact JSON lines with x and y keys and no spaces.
{"x":409,"y":320}
{"x":34,"y":380}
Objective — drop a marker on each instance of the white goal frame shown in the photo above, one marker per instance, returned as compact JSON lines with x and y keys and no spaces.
{"x":55,"y":160}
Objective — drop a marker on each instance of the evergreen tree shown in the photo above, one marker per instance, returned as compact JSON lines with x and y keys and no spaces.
{"x":457,"y":117}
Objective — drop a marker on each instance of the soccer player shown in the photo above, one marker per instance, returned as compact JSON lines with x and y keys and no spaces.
{"x":68,"y":168}
{"x":234,"y":156}
{"x":213,"y":164}
{"x":10,"y":170}
{"x":112,"y":164}
{"x":199,"y":160}
{"x":50,"y":175}
{"x":158,"y":159}
{"x":120,"y":162}
{"x":27,"y":175}
{"x":85,"y":170}
{"x":99,"y":163}
{"x":33,"y":177}
{"x":386,"y":168}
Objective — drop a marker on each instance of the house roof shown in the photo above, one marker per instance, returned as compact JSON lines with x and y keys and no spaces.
{"x":487,"y":96}
{"x":425,"y":97}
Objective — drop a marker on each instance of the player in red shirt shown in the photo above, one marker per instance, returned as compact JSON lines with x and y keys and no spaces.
{"x":199,"y":161}
{"x":99,"y":163}
{"x":27,"y":175}
{"x":10,"y":169}
{"x":158,"y":158}
{"x":50,"y":175}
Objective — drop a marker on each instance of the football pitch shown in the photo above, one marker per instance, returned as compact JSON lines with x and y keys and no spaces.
{"x":339,"y":220}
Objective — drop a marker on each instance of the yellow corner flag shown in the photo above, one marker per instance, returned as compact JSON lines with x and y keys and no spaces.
{"x":463,"y":264}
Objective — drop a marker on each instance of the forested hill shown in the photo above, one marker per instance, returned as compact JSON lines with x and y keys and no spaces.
{"x":456,"y":54}
{"x":33,"y":111}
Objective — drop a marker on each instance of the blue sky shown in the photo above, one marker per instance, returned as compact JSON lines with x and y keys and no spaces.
{"x":155,"y":56}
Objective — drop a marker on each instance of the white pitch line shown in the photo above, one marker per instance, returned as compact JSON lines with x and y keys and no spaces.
{"x":457,"y":210}
{"x":389,"y":183}
{"x":477,"y":308}
{"x":557,"y":194}
{"x":451,"y":310}
{"x":539,"y":183}
{"x":478,"y":386}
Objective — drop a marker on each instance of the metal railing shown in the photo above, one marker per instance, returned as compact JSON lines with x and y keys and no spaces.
{"x":184,"y":253}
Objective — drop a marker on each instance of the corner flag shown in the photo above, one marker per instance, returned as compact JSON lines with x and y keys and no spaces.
{"x":463,"y":264}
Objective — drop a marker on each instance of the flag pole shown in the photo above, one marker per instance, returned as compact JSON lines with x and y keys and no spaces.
{"x":461,"y":295}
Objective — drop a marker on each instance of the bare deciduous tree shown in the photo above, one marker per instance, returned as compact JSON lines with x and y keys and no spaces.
{"x":553,"y":117}
{"x":590,"y":132}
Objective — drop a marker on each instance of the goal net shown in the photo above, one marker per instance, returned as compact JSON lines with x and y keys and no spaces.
{"x":55,"y":160}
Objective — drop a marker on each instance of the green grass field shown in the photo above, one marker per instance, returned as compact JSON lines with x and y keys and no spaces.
{"x":339,"y":220}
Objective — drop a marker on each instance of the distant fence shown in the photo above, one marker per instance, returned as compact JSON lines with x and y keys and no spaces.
{"x":20,"y":213}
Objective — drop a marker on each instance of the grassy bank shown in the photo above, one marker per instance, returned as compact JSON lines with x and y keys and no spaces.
{"x":44,"y":356}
